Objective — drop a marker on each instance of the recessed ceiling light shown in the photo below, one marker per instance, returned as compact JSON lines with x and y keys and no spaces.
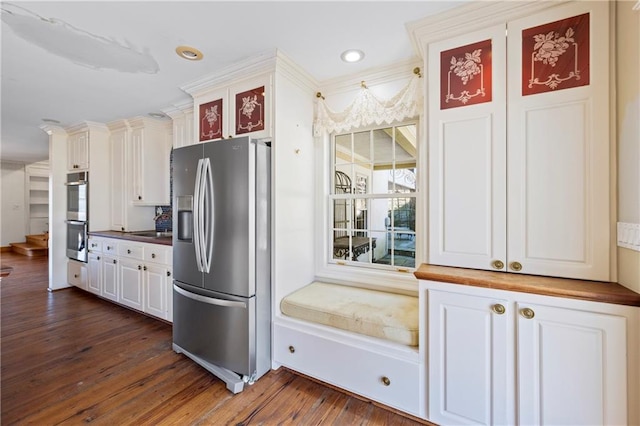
{"x":188,"y":52}
{"x":352,"y":55}
{"x":158,"y":115}
{"x":50,"y":120}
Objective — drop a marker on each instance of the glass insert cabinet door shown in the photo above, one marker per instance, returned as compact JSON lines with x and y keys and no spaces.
{"x":373,"y":197}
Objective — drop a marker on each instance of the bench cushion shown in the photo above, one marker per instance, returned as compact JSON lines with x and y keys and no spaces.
{"x":374,"y":313}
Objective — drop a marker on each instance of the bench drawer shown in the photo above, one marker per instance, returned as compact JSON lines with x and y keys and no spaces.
{"x":382,"y":378}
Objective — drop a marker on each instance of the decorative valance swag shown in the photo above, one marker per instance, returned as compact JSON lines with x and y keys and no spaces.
{"x":367,"y":109}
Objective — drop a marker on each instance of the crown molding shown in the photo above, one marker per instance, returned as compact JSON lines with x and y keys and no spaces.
{"x":375,"y":76}
{"x":87,"y":126}
{"x":50,"y":129}
{"x":117,"y":125}
{"x":180,"y":109}
{"x":294,"y":72}
{"x":260,"y":63}
{"x":148,"y":122}
{"x":471,"y":17}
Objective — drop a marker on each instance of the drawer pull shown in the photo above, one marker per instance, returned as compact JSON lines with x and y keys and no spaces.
{"x":385,"y":381}
{"x":527,"y":313}
{"x":515,"y":266}
{"x":292,"y":349}
{"x":498,"y":309}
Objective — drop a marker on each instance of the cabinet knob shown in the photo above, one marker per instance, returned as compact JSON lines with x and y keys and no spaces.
{"x":145,"y":267}
{"x":498,"y":309}
{"x":292,"y":349}
{"x":497,"y":264}
{"x":108,"y":247}
{"x":75,"y":275}
{"x":139,"y":197}
{"x":128,"y":251}
{"x":98,"y":258}
{"x":114,"y":261}
{"x":385,"y":381}
{"x":122,"y":228}
{"x":527,"y":313}
{"x":139,"y":267}
{"x":168,"y":273}
{"x":153,"y":255}
{"x":515,"y":266}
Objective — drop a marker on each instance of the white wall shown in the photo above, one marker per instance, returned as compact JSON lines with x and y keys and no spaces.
{"x":12,"y":213}
{"x":628,"y":130}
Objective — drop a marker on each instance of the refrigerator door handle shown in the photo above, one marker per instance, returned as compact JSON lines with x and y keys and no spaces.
{"x":197,"y":216}
{"x":208,"y":228}
{"x":209,"y":300}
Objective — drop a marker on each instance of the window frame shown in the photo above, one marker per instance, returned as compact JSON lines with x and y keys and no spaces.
{"x":331,"y":265}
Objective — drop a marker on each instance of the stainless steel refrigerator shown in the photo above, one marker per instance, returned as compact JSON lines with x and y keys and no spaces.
{"x":222,"y":258}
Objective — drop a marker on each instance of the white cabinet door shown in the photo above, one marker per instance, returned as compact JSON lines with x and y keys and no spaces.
{"x":155,"y":285}
{"x":150,"y":148}
{"x":572,"y":366}
{"x":130,"y":283}
{"x":110,"y":278}
{"x":467,"y":158}
{"x":118,"y":141}
{"x":78,"y":151}
{"x":558,"y":156}
{"x":95,"y":273}
{"x":471,"y":357}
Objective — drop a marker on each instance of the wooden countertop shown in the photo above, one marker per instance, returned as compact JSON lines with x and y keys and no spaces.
{"x":167,"y":241}
{"x":595,"y":291}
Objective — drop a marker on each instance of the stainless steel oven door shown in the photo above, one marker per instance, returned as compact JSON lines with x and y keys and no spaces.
{"x":77,"y":190}
{"x":77,"y":240}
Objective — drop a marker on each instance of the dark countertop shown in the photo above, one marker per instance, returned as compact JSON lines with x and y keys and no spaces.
{"x":130,"y":236}
{"x":595,"y":291}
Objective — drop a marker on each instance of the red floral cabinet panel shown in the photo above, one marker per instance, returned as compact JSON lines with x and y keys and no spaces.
{"x":465,"y":75}
{"x":250,"y":111}
{"x":555,"y":55}
{"x":211,"y":120}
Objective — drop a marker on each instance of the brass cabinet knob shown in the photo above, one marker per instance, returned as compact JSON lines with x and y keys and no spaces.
{"x":515,"y":266}
{"x":385,"y":381}
{"x":527,"y":313}
{"x":292,"y":349}
{"x":498,"y":309}
{"x":497,"y":264}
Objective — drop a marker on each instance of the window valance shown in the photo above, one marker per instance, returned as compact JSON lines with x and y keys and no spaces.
{"x":367,"y":109}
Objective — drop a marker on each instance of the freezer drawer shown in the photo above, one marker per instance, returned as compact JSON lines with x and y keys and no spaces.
{"x":220,"y":329}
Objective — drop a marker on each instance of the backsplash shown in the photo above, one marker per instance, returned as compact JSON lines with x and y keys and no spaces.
{"x":164,"y":222}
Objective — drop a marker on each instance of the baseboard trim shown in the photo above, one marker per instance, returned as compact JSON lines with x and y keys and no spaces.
{"x":4,"y":249}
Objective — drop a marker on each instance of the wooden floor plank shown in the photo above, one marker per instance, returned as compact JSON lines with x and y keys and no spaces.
{"x":69,"y":357}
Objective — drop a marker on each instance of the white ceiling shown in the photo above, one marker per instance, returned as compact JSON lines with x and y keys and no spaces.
{"x":102,"y":61}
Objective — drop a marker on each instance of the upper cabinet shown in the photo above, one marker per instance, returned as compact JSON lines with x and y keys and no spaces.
{"x":236,"y":109}
{"x":518,"y":139}
{"x":148,"y":161}
{"x":78,"y":151}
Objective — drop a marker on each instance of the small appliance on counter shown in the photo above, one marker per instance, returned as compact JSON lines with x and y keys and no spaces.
{"x":222,"y":258}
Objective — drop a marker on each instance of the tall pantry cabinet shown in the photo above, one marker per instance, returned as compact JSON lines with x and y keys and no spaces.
{"x":518,"y":139}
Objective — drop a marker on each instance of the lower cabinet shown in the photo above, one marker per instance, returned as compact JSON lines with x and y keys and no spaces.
{"x":77,"y":274}
{"x":500,"y":357}
{"x":136,"y":275}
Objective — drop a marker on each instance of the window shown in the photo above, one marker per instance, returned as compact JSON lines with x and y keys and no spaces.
{"x":373,"y":196}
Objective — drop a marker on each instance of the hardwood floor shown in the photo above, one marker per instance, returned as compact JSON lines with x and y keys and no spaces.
{"x":69,"y":357}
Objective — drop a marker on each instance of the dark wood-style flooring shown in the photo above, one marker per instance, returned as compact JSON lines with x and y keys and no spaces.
{"x":69,"y":357}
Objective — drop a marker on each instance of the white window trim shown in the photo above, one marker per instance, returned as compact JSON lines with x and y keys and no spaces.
{"x":401,"y":279}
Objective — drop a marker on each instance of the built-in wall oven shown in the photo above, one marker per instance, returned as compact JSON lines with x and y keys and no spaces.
{"x":77,"y":215}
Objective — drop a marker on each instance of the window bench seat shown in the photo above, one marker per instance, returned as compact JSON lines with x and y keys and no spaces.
{"x":364,"y":341}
